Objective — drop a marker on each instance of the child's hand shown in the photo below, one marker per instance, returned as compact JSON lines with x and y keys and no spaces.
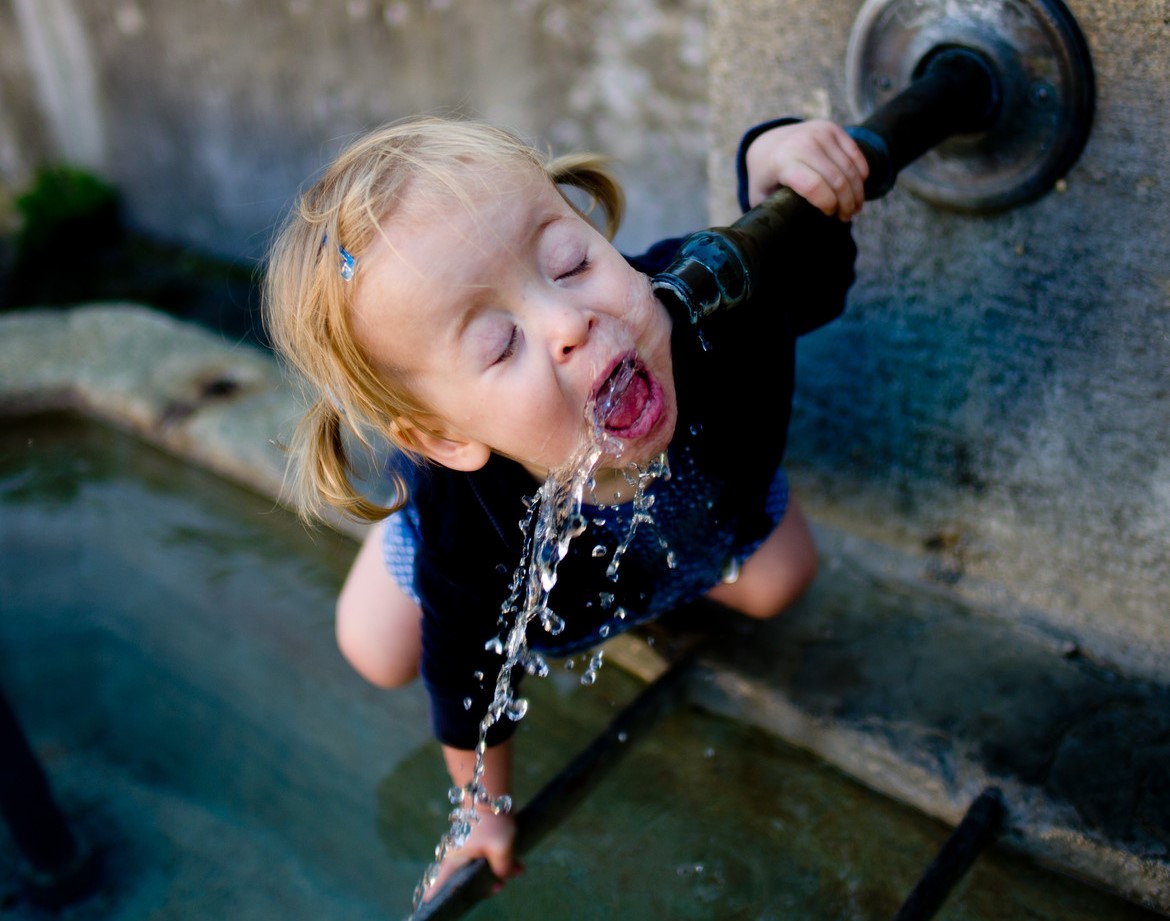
{"x":494,"y":835}
{"x":816,"y":159}
{"x":492,"y":838}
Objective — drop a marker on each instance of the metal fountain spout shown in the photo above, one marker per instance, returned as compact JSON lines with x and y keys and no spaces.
{"x":984,"y":104}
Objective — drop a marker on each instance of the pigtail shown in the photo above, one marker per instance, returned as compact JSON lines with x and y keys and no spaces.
{"x":323,"y":472}
{"x":591,"y":174}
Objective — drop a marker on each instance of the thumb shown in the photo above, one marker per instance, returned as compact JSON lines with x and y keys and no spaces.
{"x":501,"y":862}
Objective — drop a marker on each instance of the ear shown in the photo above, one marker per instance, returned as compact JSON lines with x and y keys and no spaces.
{"x":449,"y":450}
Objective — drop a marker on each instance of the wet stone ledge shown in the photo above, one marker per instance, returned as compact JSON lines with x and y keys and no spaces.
{"x":929,"y":701}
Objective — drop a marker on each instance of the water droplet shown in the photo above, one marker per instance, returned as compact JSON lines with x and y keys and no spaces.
{"x":599,"y":551}
{"x":535,"y":664}
{"x":606,"y":599}
{"x":623,"y":737}
{"x":590,"y":674}
{"x":495,"y":646}
{"x":696,"y":428}
{"x":620,"y":613}
{"x":671,"y":560}
{"x":455,"y":795}
{"x":478,"y":676}
{"x":459,"y":834}
{"x":502,"y":569}
{"x":552,"y":624}
{"x":709,"y":753}
{"x":467,"y":703}
{"x":603,"y":631}
{"x":516,"y":709}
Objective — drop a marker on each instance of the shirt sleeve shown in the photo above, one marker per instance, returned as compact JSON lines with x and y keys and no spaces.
{"x":745,"y":142}
{"x":400,"y":540}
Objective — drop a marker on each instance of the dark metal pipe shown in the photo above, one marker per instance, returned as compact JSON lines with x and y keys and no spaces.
{"x":57,"y":870}
{"x":977,"y":830}
{"x":955,"y":92}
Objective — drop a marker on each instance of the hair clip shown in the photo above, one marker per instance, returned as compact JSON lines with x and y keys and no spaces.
{"x":346,"y":264}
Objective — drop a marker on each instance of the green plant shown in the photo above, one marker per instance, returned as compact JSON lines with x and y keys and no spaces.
{"x":60,"y":200}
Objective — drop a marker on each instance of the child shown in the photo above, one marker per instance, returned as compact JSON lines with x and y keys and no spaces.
{"x":437,"y":290}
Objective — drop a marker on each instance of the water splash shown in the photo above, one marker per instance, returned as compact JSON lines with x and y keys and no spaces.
{"x":553,"y":519}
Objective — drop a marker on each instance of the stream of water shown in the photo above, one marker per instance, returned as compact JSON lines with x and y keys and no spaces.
{"x":555,"y":517}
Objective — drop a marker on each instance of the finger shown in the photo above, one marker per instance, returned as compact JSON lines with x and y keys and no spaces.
{"x":853,"y":151}
{"x":842,"y":194}
{"x":845,"y":177}
{"x":501,"y":864}
{"x":809,"y":183}
{"x":855,"y":165}
{"x":517,"y":870}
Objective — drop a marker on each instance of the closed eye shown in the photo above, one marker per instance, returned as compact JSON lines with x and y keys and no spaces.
{"x":580,"y":268}
{"x":509,"y":349}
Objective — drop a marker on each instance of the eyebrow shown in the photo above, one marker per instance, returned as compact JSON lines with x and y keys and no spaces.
{"x":526,"y":243}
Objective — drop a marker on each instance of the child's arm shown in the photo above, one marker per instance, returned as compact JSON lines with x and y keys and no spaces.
{"x":493,"y":836}
{"x":816,"y":159}
{"x":378,"y":627}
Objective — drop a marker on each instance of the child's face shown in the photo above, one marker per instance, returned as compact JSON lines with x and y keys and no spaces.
{"x":506,"y":316}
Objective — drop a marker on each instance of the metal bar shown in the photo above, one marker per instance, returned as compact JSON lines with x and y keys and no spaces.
{"x":57,"y":870}
{"x":978,"y":829}
{"x":956,"y":92}
{"x":474,"y":881}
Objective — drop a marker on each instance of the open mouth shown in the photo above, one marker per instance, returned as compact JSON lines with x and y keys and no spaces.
{"x":628,"y":402}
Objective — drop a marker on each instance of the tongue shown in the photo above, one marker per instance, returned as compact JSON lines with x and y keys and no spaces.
{"x":627,"y":406}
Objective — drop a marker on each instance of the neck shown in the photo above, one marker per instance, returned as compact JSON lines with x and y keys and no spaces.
{"x":610,"y":484}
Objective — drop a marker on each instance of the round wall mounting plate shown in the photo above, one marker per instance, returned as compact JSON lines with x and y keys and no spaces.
{"x":1045,"y":81}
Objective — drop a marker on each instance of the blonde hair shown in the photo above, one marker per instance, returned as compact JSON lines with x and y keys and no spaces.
{"x":307,"y":302}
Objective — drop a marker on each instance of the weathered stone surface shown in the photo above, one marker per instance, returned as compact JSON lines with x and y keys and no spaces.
{"x":931,"y":700}
{"x":995,"y":400}
{"x":210,"y":116}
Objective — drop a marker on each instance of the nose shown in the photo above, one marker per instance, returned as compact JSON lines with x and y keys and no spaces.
{"x":568,"y":329}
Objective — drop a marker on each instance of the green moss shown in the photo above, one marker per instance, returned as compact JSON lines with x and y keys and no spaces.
{"x":73,"y":246}
{"x":60,"y":201}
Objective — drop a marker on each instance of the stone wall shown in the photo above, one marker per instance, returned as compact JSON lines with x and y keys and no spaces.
{"x":209,"y":114}
{"x":997,"y":400}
